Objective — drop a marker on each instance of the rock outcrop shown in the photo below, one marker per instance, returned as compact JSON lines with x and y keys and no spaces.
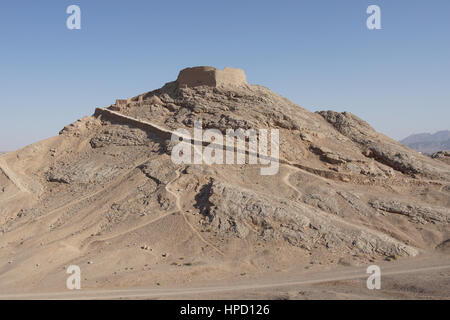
{"x":443,"y":156}
{"x":385,"y":150}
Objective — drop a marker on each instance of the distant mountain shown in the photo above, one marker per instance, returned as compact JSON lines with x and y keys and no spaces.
{"x":427,"y":142}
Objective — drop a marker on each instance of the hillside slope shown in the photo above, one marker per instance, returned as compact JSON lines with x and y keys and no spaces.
{"x":105,"y":195}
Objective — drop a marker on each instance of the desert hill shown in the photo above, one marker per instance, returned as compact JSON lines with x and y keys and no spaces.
{"x":105,"y":195}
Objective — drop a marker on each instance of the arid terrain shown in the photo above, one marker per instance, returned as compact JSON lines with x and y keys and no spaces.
{"x":105,"y":195}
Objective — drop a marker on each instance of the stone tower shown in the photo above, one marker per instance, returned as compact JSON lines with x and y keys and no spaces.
{"x":210,"y":76}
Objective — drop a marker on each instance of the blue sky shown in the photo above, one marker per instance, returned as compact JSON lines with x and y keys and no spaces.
{"x":318,"y":53}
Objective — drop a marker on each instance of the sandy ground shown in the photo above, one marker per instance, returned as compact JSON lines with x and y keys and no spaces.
{"x":427,"y":277}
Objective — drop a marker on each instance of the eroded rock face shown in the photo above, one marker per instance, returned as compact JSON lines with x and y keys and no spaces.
{"x":212,"y":77}
{"x":443,"y":156}
{"x":383,"y":149}
{"x":417,"y":213}
{"x":236,"y":211}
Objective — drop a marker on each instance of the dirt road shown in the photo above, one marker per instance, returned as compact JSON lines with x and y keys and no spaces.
{"x":407,"y":269}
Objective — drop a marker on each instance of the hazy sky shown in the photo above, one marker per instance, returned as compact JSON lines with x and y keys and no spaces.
{"x":319,"y":54}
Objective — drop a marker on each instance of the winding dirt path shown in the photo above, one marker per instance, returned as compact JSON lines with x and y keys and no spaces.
{"x":183,"y":213}
{"x":286,"y":181}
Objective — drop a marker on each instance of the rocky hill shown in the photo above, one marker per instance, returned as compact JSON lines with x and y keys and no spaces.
{"x":105,"y":195}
